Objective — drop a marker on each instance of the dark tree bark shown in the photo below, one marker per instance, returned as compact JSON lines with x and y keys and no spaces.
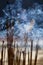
{"x":36,"y":55}
{"x":31,"y":52}
{"x":28,"y":57}
{"x":10,"y":42}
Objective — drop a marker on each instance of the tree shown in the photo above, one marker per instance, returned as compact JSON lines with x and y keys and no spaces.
{"x":10,"y":30}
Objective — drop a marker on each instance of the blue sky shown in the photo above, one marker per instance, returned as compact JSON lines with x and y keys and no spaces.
{"x":22,"y":18}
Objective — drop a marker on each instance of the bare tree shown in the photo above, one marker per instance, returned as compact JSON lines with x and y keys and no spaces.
{"x":9,"y":26}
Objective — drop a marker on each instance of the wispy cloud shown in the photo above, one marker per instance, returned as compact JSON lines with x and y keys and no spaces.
{"x":26,"y":21}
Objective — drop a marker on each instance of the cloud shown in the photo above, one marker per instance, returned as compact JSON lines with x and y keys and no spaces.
{"x":22,"y":19}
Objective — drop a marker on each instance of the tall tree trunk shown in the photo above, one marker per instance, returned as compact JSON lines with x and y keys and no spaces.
{"x":9,"y":26}
{"x":19,"y":59}
{"x":10,"y":56}
{"x":31,"y":52}
{"x":14,"y":54}
{"x":17,"y":56}
{"x":10,"y":51}
{"x":28,"y":57}
{"x":35,"y":62}
{"x":2,"y":54}
{"x":24,"y":57}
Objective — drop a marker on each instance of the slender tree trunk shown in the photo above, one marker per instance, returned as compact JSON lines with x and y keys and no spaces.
{"x":2,"y":54}
{"x":28,"y":57}
{"x":35,"y":62}
{"x":31,"y":52}
{"x":24,"y":57}
{"x":17,"y":56}
{"x":19,"y":59}
{"x":14,"y":55}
